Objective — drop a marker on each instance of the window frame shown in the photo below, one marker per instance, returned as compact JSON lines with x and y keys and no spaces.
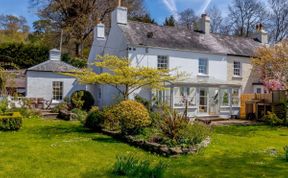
{"x":57,"y":90}
{"x":233,"y":96}
{"x":201,"y":65}
{"x":237,"y":70}
{"x":160,"y":62}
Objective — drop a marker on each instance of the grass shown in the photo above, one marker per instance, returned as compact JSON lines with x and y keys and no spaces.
{"x":51,"y":148}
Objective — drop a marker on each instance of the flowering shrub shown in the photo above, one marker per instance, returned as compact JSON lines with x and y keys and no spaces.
{"x":273,"y":85}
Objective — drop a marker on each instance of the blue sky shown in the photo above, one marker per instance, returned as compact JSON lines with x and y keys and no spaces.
{"x":159,"y":9}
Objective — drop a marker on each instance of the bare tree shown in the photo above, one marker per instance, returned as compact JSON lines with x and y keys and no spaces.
{"x":187,"y":18}
{"x":216,"y":19}
{"x":78,"y":17}
{"x":13,"y":23}
{"x":278,"y":20}
{"x":245,"y":14}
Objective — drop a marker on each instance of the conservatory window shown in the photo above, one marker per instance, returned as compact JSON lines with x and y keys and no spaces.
{"x":183,"y":94}
{"x":235,"y":97}
{"x":163,"y":96}
{"x":225,"y":97}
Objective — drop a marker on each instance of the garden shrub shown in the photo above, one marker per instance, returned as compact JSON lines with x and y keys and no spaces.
{"x":94,"y":120}
{"x":130,"y":166}
{"x":272,"y":119}
{"x":10,"y":121}
{"x":133,"y":117}
{"x":111,"y":119}
{"x":145,"y":102}
{"x":193,"y":134}
{"x":155,"y":118}
{"x":76,"y":99}
{"x":61,"y":106}
{"x":79,"y":114}
{"x":82,"y":100}
{"x":27,"y":113}
{"x":93,"y":109}
{"x":171,"y":124}
{"x":286,"y":152}
{"x":3,"y":106}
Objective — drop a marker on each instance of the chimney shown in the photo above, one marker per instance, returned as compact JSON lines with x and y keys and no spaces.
{"x":99,"y":31}
{"x":205,"y":23}
{"x":261,"y":35}
{"x":55,"y":54}
{"x":119,"y":15}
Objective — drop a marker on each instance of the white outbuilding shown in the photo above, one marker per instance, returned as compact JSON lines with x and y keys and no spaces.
{"x":46,"y":81}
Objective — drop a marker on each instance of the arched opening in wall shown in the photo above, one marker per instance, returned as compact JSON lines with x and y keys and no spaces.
{"x":82,"y":99}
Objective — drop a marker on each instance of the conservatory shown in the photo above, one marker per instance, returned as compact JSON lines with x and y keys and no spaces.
{"x":202,"y":99}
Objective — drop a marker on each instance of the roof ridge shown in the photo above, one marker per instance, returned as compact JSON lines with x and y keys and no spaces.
{"x":37,"y":65}
{"x":193,"y":31}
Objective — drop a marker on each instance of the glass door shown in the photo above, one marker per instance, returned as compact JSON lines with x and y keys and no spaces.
{"x":213,"y":101}
{"x":203,"y":100}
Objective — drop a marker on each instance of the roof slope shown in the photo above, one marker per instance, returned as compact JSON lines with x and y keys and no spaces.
{"x":53,"y":66}
{"x":183,"y":39}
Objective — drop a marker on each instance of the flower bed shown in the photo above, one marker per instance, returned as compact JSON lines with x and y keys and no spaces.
{"x":166,"y":132}
{"x":161,"y":149}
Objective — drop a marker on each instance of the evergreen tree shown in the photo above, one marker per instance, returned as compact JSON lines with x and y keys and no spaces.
{"x":170,"y":21}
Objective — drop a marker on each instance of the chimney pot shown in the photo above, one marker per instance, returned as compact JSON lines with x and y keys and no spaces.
{"x":261,"y":35}
{"x":119,"y":16}
{"x":99,"y":31}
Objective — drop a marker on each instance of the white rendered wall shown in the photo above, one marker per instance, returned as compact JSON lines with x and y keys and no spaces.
{"x":184,"y":61}
{"x":39,"y":84}
{"x":116,"y":45}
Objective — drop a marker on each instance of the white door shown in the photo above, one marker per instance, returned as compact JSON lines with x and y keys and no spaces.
{"x":203,"y":101}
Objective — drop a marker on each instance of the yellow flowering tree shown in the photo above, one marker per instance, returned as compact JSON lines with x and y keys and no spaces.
{"x":126,"y":78}
{"x":271,"y":64}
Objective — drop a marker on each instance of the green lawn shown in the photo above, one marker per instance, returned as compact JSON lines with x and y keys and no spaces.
{"x":50,"y":148}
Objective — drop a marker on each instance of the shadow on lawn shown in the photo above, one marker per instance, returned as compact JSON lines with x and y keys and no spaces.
{"x":105,"y":140}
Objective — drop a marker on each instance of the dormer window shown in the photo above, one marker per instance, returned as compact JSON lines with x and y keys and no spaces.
{"x":237,"y":69}
{"x":163,"y":62}
{"x":203,"y":66}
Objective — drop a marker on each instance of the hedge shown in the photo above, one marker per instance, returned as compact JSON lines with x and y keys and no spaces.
{"x":10,"y":121}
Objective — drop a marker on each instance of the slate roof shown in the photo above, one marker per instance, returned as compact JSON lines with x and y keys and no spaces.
{"x":184,"y":39}
{"x":53,"y":66}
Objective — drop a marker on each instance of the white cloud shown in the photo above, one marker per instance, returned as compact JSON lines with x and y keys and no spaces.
{"x":171,"y":5}
{"x":204,"y":6}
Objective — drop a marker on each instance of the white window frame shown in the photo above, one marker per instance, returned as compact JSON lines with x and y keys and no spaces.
{"x":203,"y":69}
{"x":235,"y":96}
{"x":237,"y":69}
{"x":163,"y":62}
{"x":181,"y":93}
{"x":57,"y":90}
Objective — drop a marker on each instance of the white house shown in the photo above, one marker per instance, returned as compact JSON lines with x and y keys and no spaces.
{"x":45,"y":81}
{"x":219,"y":65}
